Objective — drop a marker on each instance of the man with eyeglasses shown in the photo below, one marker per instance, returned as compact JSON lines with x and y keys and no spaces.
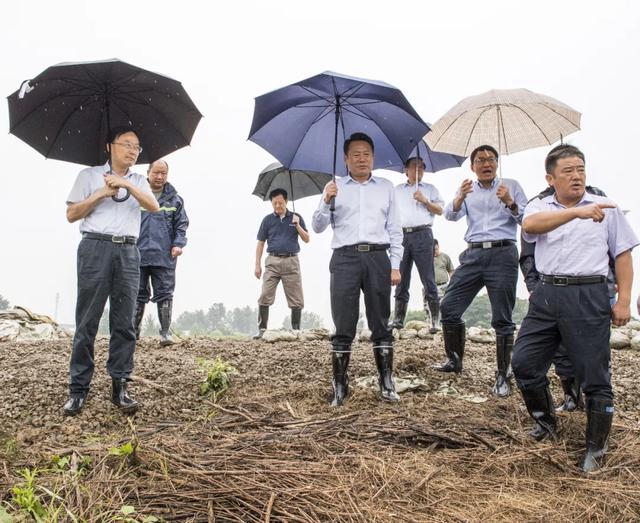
{"x":365,"y":225}
{"x":493,"y":208}
{"x":418,"y":204}
{"x":163,"y":235}
{"x":106,"y":200}
{"x":575,"y":234}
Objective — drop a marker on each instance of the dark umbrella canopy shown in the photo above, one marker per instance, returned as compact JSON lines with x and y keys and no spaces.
{"x":305,"y":124}
{"x":66,"y":112}
{"x":434,"y":161}
{"x":298,"y":184}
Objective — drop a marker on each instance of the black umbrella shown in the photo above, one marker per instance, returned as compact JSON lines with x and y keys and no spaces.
{"x":298,"y":184}
{"x":66,"y":112}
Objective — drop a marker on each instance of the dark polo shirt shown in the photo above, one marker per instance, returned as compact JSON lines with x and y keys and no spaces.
{"x":280,"y":233}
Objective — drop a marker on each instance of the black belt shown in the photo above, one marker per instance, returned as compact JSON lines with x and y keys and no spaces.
{"x":364,"y":247}
{"x":283,"y":254}
{"x":109,"y":238}
{"x":415,"y":229}
{"x":563,"y":281}
{"x":489,"y":245}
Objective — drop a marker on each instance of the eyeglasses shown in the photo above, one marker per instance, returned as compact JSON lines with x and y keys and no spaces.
{"x":129,"y":146}
{"x":480,"y":161}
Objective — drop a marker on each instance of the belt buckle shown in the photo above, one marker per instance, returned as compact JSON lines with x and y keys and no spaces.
{"x":364,"y":248}
{"x":118,"y":239}
{"x":409,"y":229}
{"x":486,"y":245}
{"x":560,"y":281}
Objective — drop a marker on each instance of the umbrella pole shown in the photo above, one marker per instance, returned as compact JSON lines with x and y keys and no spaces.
{"x":106,"y":104}
{"x":293,"y":202}
{"x":335,"y":149}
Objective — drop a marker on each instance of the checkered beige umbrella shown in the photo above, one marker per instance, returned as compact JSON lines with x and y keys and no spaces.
{"x":510,"y":120}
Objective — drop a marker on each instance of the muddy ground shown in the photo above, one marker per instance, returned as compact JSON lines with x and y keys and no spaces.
{"x":271,"y":449}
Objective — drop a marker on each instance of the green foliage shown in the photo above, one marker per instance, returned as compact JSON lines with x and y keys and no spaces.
{"x":150,"y":326}
{"x":128,"y":515}
{"x":218,"y":377}
{"x":479,"y":312}
{"x":60,"y":463}
{"x":123,"y":450}
{"x":308,"y":320}
{"x":5,"y":517}
{"x":4,"y":304}
{"x":25,"y":497}
{"x":11,"y":449}
{"x":419,"y":315}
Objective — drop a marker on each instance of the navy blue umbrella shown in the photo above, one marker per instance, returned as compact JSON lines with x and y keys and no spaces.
{"x":303,"y":123}
{"x":434,"y":161}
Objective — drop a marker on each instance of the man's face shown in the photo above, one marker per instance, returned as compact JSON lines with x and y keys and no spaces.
{"x":359,"y":159}
{"x":125,"y":149}
{"x":485,"y":166}
{"x":410,"y":171}
{"x":279,"y":205}
{"x":569,"y":178}
{"x":158,"y":175}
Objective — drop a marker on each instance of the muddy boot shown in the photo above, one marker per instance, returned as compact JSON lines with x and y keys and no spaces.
{"x":383,"y":354}
{"x":74,"y":404}
{"x":137,"y":318}
{"x":399,"y":312}
{"x":120,"y":397}
{"x":434,"y":312}
{"x":340,"y":356}
{"x":540,"y":406}
{"x":572,"y":396}
{"x":164,"y":314}
{"x":263,"y":320}
{"x":504,"y":346}
{"x":599,"y":418}
{"x":454,"y":340}
{"x":296,"y":316}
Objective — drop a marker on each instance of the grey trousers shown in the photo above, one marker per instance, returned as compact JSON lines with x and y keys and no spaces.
{"x":105,"y":270}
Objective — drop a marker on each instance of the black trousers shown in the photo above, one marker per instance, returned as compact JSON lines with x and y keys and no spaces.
{"x":418,"y":248}
{"x":497,"y":270}
{"x":352,"y":272}
{"x":105,"y":270}
{"x":161,"y":279}
{"x":579,"y":318}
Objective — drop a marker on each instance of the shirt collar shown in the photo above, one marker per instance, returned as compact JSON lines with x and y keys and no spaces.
{"x":372,"y":178}
{"x":107,"y":168}
{"x":585,"y":200}
{"x":493,"y":184}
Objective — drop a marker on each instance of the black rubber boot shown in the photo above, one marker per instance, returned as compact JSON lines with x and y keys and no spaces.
{"x":340,"y":356}
{"x":120,"y":396}
{"x":434,"y":311}
{"x":263,"y":320}
{"x":137,"y":318}
{"x":399,"y":312}
{"x":572,"y":396}
{"x":296,"y":317}
{"x":599,"y":419}
{"x":504,"y":347}
{"x":540,"y":406}
{"x":454,"y":340}
{"x":74,"y":404}
{"x":165,"y":309}
{"x":383,"y":354}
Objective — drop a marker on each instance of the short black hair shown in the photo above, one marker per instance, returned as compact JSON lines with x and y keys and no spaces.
{"x":561,"y":151}
{"x":116,"y":132}
{"x":357,"y":137}
{"x":406,"y":164}
{"x":278,"y":192}
{"x":435,"y":242}
{"x":489,"y":148}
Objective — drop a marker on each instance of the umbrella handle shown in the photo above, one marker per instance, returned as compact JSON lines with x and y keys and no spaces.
{"x":124,"y":198}
{"x":332,"y":204}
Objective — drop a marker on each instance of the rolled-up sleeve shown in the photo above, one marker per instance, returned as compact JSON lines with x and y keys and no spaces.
{"x":621,"y":237}
{"x":454,"y":216}
{"x":521,"y":201}
{"x":81,"y":188}
{"x":535,"y":206}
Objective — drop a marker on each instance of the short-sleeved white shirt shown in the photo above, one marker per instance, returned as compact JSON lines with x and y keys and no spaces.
{"x":108,"y":216}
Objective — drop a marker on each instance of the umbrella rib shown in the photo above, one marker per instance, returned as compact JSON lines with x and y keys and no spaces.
{"x":559,"y":114}
{"x":533,"y":122}
{"x":61,"y":127}
{"x":504,"y":135}
{"x":326,"y":98}
{"x":475,"y":124}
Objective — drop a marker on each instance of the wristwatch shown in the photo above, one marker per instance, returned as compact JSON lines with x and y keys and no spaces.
{"x":512,"y":207}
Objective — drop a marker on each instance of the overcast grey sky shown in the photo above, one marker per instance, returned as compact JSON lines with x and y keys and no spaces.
{"x":583,"y":53}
